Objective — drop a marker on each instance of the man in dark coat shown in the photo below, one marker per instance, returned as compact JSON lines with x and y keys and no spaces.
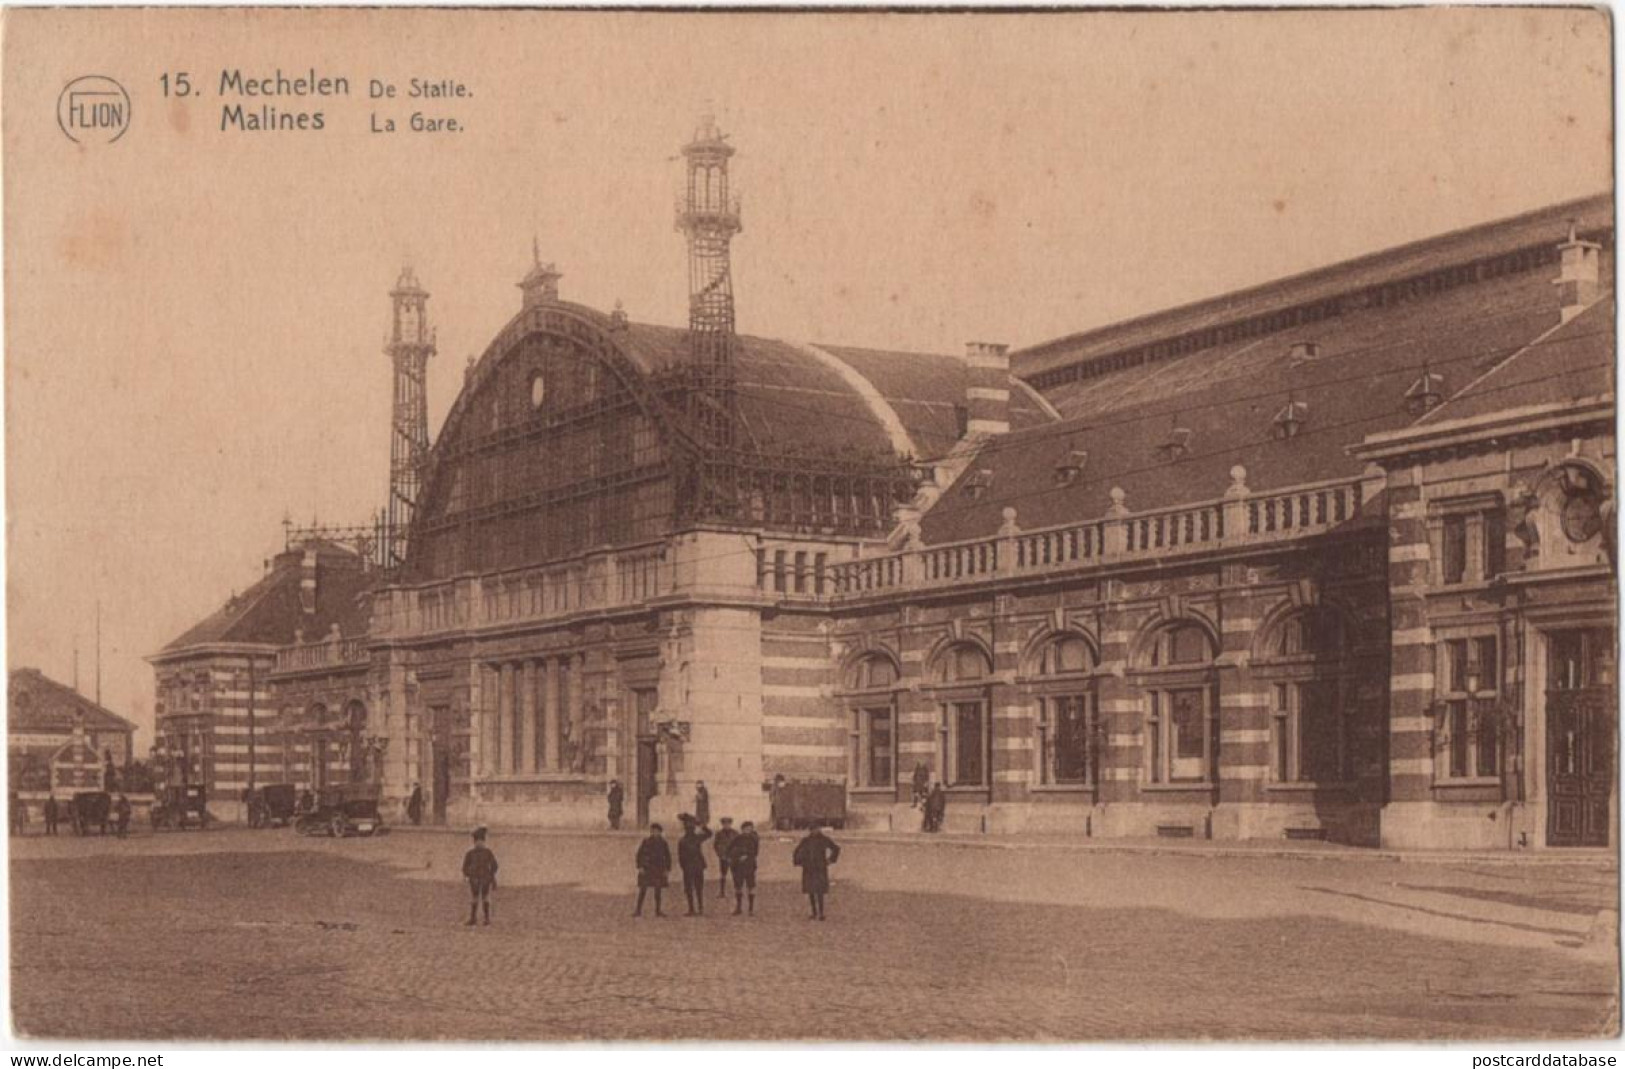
{"x":121,"y":811}
{"x":51,"y":815}
{"x":616,"y":798}
{"x":691,"y":859}
{"x":742,"y":852}
{"x":654,"y":865}
{"x":414,"y":805}
{"x":921,"y":784}
{"x":480,"y":870}
{"x":814,"y":855}
{"x":724,"y":839}
{"x":702,"y":805}
{"x":936,"y":807}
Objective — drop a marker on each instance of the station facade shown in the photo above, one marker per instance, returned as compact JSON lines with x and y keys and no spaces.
{"x":1330,"y":558}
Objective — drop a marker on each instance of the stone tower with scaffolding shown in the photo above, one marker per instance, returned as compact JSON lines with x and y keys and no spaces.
{"x":410,"y":345}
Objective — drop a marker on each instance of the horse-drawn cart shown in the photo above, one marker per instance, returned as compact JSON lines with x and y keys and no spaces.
{"x":804,"y":803}
{"x":181,"y":806}
{"x":274,"y":805}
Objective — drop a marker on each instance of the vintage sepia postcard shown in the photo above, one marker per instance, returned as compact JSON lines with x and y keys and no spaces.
{"x":1070,"y":527}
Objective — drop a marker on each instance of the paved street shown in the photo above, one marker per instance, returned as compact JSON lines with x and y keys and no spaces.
{"x":236,"y":934}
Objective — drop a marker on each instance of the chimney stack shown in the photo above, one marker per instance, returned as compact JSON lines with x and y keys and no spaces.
{"x":987,"y":393}
{"x":541,"y":285}
{"x":307,"y":581}
{"x":1577,"y":280}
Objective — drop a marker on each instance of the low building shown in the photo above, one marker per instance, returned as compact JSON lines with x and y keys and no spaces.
{"x":217,"y":720}
{"x":58,"y":740}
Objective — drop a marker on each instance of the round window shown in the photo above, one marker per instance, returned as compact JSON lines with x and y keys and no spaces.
{"x":538,"y":391}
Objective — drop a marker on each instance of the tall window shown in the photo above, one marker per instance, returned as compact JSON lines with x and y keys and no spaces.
{"x":873,"y":724}
{"x":1470,"y":540}
{"x":1307,"y":664}
{"x":963,"y":730}
{"x":1469,"y":699}
{"x":1066,"y":713}
{"x":1181,"y":707}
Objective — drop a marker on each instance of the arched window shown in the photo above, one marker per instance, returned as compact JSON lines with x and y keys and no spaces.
{"x":960,"y":663}
{"x":1068,"y":723}
{"x":963,"y":730}
{"x":1305,"y":664}
{"x":1181,"y":706}
{"x":874,"y":671}
{"x":872,"y":719}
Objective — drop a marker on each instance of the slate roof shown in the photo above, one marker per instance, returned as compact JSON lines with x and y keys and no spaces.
{"x":269,"y":612}
{"x":1575,"y":362}
{"x":1227,"y":395}
{"x":39,"y":705}
{"x":1542,"y":227}
{"x":789,"y":397}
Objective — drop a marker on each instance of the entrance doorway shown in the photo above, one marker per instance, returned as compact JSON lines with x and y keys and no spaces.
{"x":648,"y":760}
{"x":1580,"y":707}
{"x":440,"y":754}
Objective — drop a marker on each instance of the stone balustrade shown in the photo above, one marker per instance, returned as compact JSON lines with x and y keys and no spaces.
{"x":1240,"y":518}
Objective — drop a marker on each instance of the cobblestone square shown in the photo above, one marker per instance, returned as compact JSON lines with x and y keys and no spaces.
{"x":244,"y":935}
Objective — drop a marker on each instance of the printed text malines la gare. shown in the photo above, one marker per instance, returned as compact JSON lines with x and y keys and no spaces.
{"x":250,"y":114}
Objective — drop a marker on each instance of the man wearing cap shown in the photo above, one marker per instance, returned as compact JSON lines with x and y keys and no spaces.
{"x":691,"y":859}
{"x":742,"y":853}
{"x":815,"y":854}
{"x":654,"y":865}
{"x":724,"y":838}
{"x":480,"y":870}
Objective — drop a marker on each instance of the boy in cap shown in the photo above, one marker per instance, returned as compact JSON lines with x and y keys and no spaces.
{"x":742,"y":860}
{"x":691,"y":859}
{"x":480,"y":870}
{"x":654,"y":863}
{"x":724,"y":838}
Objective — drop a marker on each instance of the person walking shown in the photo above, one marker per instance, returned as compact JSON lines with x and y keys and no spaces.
{"x":654,"y":866}
{"x":691,"y":859}
{"x":936,"y":807}
{"x":702,"y":805}
{"x":814,"y":855}
{"x":742,"y":853}
{"x":121,"y":811}
{"x":52,"y":814}
{"x":18,"y":813}
{"x":414,"y":805}
{"x":480,"y":870}
{"x":616,"y":798}
{"x":724,"y":838}
{"x":921,"y":784}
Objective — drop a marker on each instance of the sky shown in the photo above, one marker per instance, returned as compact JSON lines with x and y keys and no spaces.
{"x":195,"y":317}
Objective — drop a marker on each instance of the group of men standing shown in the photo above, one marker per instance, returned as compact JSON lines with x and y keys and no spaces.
{"x":737,"y":853}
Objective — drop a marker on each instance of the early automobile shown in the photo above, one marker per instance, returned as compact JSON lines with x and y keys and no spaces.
{"x":343,"y":810}
{"x":181,"y":806}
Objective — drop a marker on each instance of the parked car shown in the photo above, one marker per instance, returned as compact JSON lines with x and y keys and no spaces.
{"x":343,"y":810}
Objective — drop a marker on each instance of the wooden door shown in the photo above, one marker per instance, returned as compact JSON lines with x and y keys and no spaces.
{"x":1579,"y":737}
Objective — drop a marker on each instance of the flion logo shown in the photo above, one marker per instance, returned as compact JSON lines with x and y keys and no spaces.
{"x":93,"y":110}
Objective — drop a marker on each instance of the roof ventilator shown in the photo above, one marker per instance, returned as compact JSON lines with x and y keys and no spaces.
{"x":1177,"y":445}
{"x":978,"y":483}
{"x":1425,"y":394}
{"x":1304,"y":352}
{"x":1290,"y":420}
{"x":1070,"y":468}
